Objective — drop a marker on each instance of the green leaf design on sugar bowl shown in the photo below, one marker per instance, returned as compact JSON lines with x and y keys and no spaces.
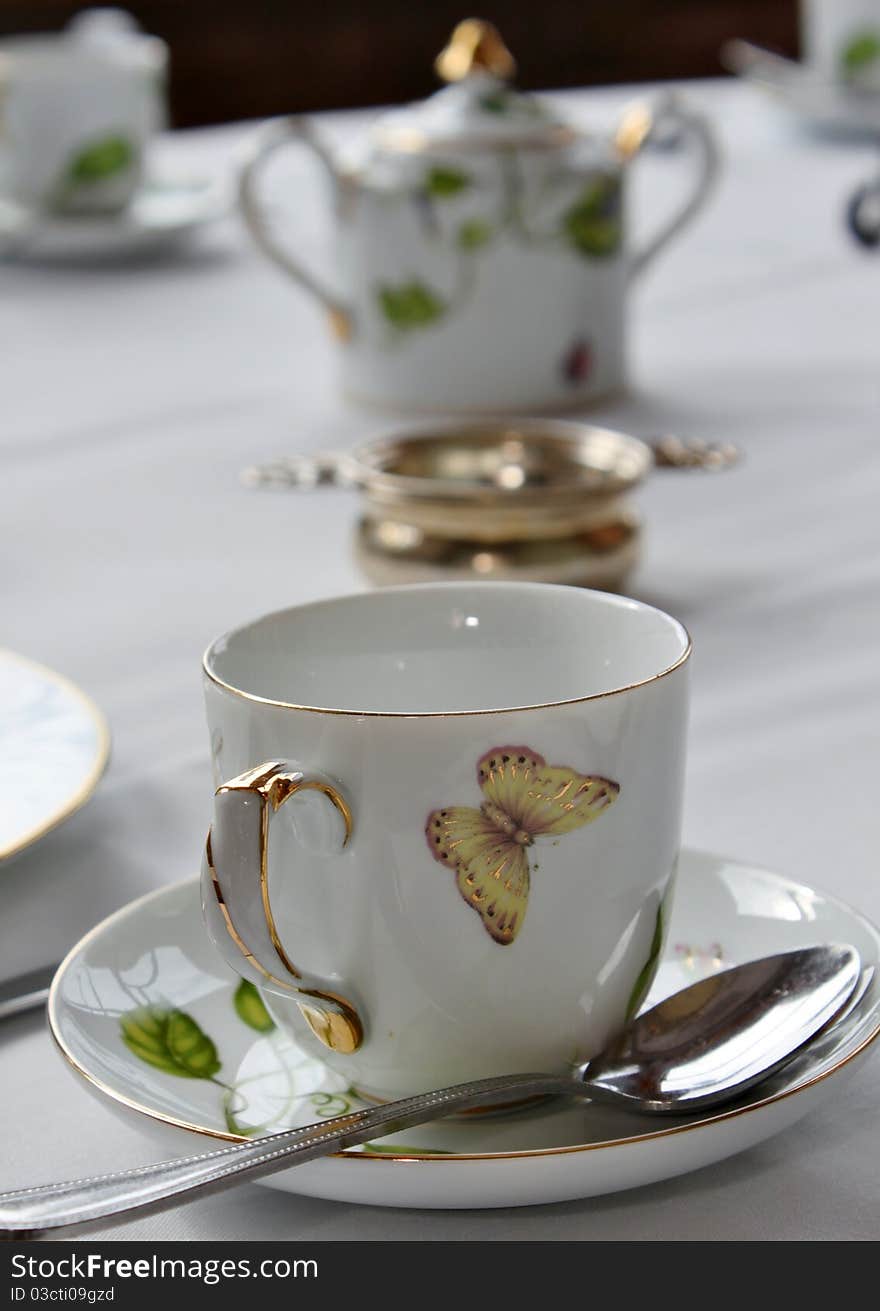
{"x":503,"y":101}
{"x":444,"y":183}
{"x":100,"y":160}
{"x":496,"y":102}
{"x":585,"y":221}
{"x":592,"y":225}
{"x":474,"y":233}
{"x":410,"y":305}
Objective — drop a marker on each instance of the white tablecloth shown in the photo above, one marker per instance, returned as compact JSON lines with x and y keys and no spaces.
{"x":132,"y":397}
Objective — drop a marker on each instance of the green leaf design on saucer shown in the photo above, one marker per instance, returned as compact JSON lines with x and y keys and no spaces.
{"x":592,"y":224}
{"x":410,"y":305}
{"x":441,"y":183}
{"x":473,"y":234}
{"x":100,"y":160}
{"x":646,"y":974}
{"x":171,"y":1041}
{"x":860,"y":52}
{"x":327,"y":1105}
{"x":250,"y":1008}
{"x":229,"y":1119}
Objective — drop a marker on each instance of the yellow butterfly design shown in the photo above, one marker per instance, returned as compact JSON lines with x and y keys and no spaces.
{"x":525,"y":798}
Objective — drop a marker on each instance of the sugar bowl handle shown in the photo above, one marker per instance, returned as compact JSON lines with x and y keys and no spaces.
{"x":235,"y":892}
{"x":666,"y":121}
{"x":284,"y":132}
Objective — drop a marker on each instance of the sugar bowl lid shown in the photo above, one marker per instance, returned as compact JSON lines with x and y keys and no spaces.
{"x":478,"y":109}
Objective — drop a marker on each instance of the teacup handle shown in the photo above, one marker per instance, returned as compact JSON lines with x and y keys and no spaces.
{"x":235,"y":893}
{"x":863,"y":214}
{"x":283,"y":132}
{"x":669,"y":118}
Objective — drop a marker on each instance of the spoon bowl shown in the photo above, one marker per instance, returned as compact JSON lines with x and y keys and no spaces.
{"x":710,"y":1042}
{"x":700,"y":1047}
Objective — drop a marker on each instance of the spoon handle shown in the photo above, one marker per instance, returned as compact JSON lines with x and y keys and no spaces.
{"x":82,"y":1204}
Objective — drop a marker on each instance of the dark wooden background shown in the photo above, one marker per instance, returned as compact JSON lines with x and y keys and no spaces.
{"x":236,"y":59}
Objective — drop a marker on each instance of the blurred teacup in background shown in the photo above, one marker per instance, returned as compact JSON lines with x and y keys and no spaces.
{"x":78,"y":110}
{"x":446,"y":823}
{"x":841,"y":40}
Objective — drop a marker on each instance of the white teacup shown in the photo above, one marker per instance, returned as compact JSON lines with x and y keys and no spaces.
{"x":483,"y":787}
{"x":841,"y":40}
{"x":77,"y":111}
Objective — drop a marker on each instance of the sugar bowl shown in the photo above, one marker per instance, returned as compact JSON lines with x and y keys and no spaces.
{"x":482,"y":260}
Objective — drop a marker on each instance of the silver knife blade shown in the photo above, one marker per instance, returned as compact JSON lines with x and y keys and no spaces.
{"x":26,"y":991}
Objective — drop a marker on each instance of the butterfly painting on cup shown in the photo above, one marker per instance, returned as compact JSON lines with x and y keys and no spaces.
{"x":487,"y":849}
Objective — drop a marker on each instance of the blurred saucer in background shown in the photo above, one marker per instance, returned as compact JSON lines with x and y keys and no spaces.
{"x":164,"y":211}
{"x":819,"y":101}
{"x":54,"y":747}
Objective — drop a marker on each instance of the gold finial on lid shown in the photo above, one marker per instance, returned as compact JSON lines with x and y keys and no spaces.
{"x":475,"y":46}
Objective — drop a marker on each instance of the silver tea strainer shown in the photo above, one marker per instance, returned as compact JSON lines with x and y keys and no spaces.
{"x":529,"y":499}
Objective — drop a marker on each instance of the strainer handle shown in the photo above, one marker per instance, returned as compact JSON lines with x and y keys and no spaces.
{"x":324,"y":469}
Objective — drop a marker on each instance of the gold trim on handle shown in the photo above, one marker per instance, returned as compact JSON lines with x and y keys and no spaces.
{"x":230,"y":923}
{"x":341,"y":323}
{"x":275,"y":790}
{"x":338,"y":1027}
{"x":340,"y":1032}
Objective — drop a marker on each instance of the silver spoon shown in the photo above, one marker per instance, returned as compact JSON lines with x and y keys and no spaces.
{"x":699,"y":1047}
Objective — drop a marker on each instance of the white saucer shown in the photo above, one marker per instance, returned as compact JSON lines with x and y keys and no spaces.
{"x":154,"y":953}
{"x":165,"y":211}
{"x":54,"y":746}
{"x":827,"y":105}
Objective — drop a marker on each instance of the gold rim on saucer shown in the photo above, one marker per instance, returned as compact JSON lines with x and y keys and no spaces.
{"x":87,"y":788}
